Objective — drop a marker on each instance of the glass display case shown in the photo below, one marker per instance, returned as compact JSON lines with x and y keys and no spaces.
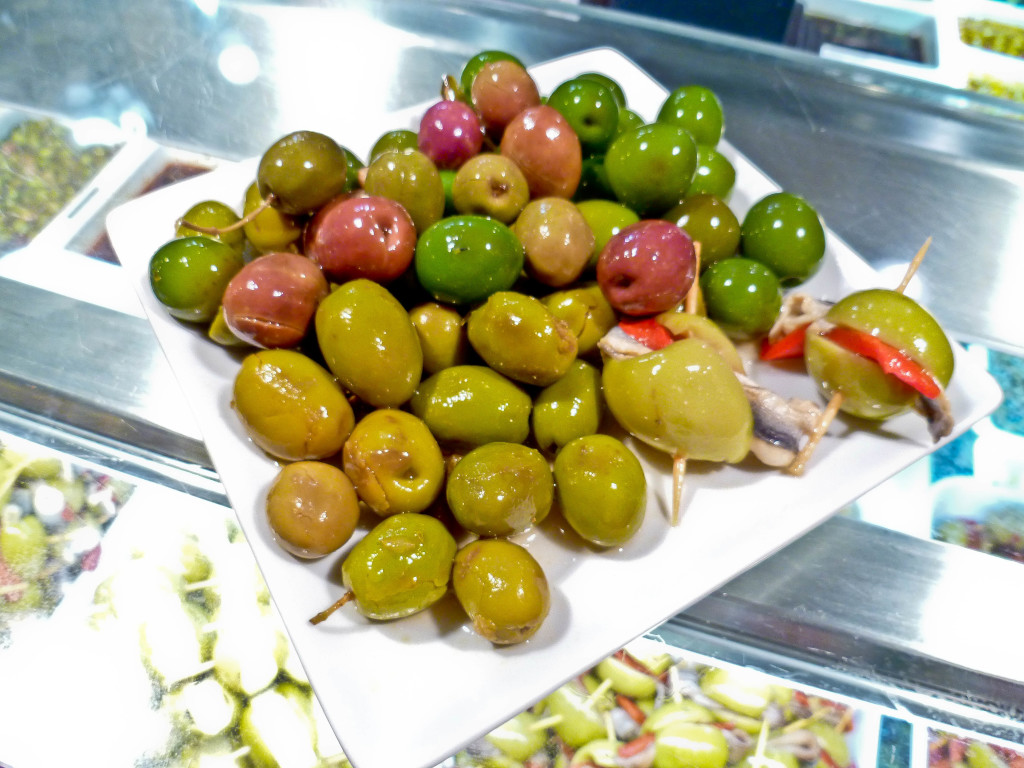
{"x":136,"y":628}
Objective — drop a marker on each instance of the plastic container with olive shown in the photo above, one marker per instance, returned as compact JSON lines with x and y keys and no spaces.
{"x":456,"y":324}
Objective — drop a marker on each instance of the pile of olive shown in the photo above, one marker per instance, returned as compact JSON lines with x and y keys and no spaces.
{"x":426,"y":326}
{"x":654,"y":709}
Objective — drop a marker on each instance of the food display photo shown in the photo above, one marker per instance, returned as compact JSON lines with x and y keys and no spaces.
{"x":497,"y":383}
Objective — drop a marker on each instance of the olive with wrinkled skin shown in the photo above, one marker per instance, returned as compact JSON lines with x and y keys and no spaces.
{"x":394,"y":462}
{"x":402,"y":566}
{"x":291,"y":406}
{"x":312,"y":507}
{"x":369,"y":343}
{"x":302,"y":171}
{"x":500,"y":489}
{"x":602,"y":491}
{"x":271,"y":301}
{"x":569,"y":408}
{"x":587,"y":311}
{"x":518,"y":336}
{"x":442,"y":332}
{"x":469,"y":405}
{"x":502,"y":588}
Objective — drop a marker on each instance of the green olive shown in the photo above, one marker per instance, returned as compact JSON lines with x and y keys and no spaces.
{"x":519,"y":737}
{"x":312,"y":508}
{"x":188,"y":276}
{"x":900,"y":322}
{"x":212,"y":214}
{"x":627,"y":679}
{"x":518,"y":336}
{"x":571,"y":407}
{"x":742,"y":295}
{"x":500,"y":489}
{"x":301,"y":171}
{"x":674,"y":712}
{"x":587,"y":312}
{"x":469,"y":405}
{"x":442,"y":332}
{"x":739,"y":692}
{"x":602,"y":491}
{"x":400,"y":567}
{"x":291,"y":407}
{"x":394,"y":461}
{"x":708,"y":220}
{"x":369,"y":343}
{"x":690,"y":745}
{"x":580,"y":717}
{"x":502,"y":588}
{"x":269,"y":230}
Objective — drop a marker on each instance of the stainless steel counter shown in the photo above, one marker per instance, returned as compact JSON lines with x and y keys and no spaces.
{"x":887,"y":161}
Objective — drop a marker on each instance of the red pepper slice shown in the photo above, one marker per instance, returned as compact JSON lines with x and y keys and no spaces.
{"x":891,"y":359}
{"x":629,"y":706}
{"x":637,"y":745}
{"x":648,"y":332}
{"x":789,"y":346}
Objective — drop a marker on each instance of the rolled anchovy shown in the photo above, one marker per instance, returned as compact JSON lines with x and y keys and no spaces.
{"x":798,"y":309}
{"x":802,"y":744}
{"x":938,"y":412}
{"x":781,"y":425}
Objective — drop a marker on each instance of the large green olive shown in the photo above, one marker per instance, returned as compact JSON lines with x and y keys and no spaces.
{"x":302,"y":171}
{"x":580,"y":718}
{"x":291,"y":407}
{"x":502,"y":589}
{"x":312,"y":508}
{"x":518,"y":336}
{"x":742,"y":693}
{"x":188,"y":276}
{"x":683,"y":399}
{"x":500,"y":489}
{"x":270,"y":229}
{"x":571,"y":407}
{"x":587,"y":312}
{"x":602,"y":491}
{"x":469,"y":405}
{"x":212,"y":214}
{"x":394,"y":461}
{"x":369,"y":343}
{"x":690,"y":745}
{"x":410,"y":179}
{"x":520,"y":738}
{"x":442,"y":332}
{"x":897,"y":320}
{"x":400,"y":567}
{"x":674,"y":712}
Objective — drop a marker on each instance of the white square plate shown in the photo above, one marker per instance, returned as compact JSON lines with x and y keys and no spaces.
{"x":409,"y":693}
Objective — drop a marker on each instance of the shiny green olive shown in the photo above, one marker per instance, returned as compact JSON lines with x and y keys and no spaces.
{"x":188,"y":276}
{"x":269,"y":230}
{"x":742,"y":295}
{"x":602,"y":491}
{"x":212,"y":214}
{"x":519,"y":737}
{"x":402,"y":566}
{"x":369,"y":343}
{"x":291,"y":406}
{"x":397,"y":140}
{"x":627,"y":679}
{"x":518,"y":336}
{"x":785,"y":233}
{"x":571,"y":407}
{"x":469,"y":405}
{"x":301,"y":171}
{"x":834,"y":744}
{"x":312,"y":508}
{"x":742,"y":693}
{"x":580,"y":717}
{"x":708,"y":220}
{"x":442,"y":332}
{"x":394,"y":462}
{"x":690,"y":745}
{"x":897,"y":320}
{"x":686,"y":325}
{"x":587,"y":312}
{"x":672,"y":713}
{"x":683,"y":399}
{"x":500,"y":489}
{"x":715,"y":174}
{"x":502,"y":589}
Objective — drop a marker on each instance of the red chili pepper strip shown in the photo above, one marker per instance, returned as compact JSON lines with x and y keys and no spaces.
{"x":648,"y":332}
{"x":789,"y":346}
{"x":636,"y":746}
{"x":826,"y":758}
{"x":630,"y":708}
{"x":891,"y":359}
